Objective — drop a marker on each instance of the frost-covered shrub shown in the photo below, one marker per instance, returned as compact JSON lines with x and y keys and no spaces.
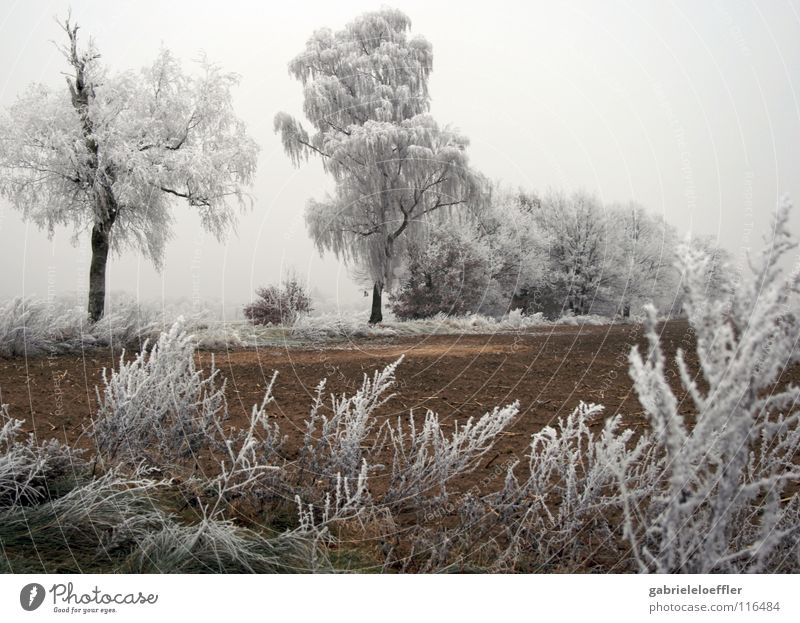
{"x":29,"y":470}
{"x":564,"y":513}
{"x":446,"y":272}
{"x":344,"y":450}
{"x":247,"y":457}
{"x":728,"y":501}
{"x":425,"y":459}
{"x":723,"y":504}
{"x":344,"y":500}
{"x":281,"y":304}
{"x":159,"y":407}
{"x":334,"y":445}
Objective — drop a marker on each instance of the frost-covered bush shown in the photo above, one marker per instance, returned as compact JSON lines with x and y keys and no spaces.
{"x":281,"y":304}
{"x":425,"y":459}
{"x":447,"y":271}
{"x":563,"y":514}
{"x":344,"y":450}
{"x":29,"y":470}
{"x":728,"y":501}
{"x":248,"y":457}
{"x":334,"y":445}
{"x":159,"y":407}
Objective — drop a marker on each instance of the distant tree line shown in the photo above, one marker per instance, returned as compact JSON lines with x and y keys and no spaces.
{"x":557,"y":254}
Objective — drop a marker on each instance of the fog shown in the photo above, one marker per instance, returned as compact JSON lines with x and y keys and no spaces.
{"x":690,"y":108}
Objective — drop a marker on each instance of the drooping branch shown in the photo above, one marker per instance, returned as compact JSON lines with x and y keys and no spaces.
{"x":193,"y":199}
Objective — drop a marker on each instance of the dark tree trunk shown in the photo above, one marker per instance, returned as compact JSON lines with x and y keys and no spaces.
{"x":82,"y":92}
{"x":97,"y":272}
{"x":101,"y":243}
{"x":376,"y":316}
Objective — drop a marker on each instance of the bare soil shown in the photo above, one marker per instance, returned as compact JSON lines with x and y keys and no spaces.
{"x":548,"y":371}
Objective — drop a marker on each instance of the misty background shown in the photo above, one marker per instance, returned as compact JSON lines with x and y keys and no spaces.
{"x":689,"y":108}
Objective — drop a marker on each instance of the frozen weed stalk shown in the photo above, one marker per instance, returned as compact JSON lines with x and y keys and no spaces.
{"x":159,"y":406}
{"x":335,"y":445}
{"x":425,"y":459}
{"x":724,"y":502}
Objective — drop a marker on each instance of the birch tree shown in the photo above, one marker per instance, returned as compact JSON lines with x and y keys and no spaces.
{"x":112,"y":153}
{"x":366,"y":97}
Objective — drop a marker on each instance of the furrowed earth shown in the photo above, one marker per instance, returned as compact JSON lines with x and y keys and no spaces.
{"x":549,"y":371}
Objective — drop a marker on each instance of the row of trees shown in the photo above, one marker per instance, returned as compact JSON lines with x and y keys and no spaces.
{"x":409,"y":214}
{"x":556,"y":254}
{"x":112,"y":153}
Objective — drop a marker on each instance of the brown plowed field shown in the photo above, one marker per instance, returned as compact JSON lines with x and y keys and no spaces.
{"x":548,"y":371}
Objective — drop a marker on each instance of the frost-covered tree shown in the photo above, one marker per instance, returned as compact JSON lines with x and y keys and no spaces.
{"x":482,"y":264}
{"x":366,"y":97}
{"x":113,"y":152}
{"x":447,"y":271}
{"x":516,"y":248}
{"x":643,"y":257}
{"x":719,"y":270}
{"x":576,"y":229}
{"x":595,"y":256}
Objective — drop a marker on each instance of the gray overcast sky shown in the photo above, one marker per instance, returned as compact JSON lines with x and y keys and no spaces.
{"x":691,"y":108}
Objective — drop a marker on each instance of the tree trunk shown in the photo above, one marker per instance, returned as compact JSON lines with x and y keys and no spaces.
{"x":376,"y":316}
{"x":97,"y":272}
